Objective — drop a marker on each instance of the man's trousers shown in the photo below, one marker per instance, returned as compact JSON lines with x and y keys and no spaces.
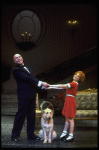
{"x":26,"y":108}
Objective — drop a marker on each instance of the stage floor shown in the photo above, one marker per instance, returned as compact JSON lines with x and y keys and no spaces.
{"x":85,"y":134}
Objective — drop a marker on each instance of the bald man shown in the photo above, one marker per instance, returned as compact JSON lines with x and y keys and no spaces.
{"x":26,"y":90}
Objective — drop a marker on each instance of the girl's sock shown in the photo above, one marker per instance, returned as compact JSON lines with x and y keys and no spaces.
{"x":66,"y":125}
{"x":71,"y":125}
{"x":64,"y":133}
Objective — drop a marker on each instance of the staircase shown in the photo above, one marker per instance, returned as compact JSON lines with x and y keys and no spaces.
{"x":68,"y":68}
{"x":9,"y":104}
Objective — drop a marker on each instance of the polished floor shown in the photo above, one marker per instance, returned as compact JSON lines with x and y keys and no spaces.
{"x":85,"y":134}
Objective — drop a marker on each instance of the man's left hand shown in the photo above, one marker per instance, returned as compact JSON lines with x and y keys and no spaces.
{"x":45,"y":85}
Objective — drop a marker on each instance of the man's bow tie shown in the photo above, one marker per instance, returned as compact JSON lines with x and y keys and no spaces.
{"x":22,"y":65}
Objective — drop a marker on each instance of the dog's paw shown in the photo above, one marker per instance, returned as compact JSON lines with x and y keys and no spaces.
{"x":49,"y":141}
{"x":45,"y":141}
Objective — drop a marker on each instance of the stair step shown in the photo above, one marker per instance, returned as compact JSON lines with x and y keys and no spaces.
{"x":8,"y":96}
{"x":8,"y":111}
{"x":9,"y":104}
{"x":11,"y":98}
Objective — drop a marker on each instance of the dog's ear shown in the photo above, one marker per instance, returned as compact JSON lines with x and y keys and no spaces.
{"x":52,"y":111}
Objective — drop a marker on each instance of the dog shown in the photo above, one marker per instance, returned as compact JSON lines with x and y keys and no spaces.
{"x":47,"y":133}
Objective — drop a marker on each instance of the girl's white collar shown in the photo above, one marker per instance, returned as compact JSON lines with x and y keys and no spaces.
{"x":76,"y":82}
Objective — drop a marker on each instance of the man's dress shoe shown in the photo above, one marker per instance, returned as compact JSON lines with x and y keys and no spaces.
{"x":14,"y":139}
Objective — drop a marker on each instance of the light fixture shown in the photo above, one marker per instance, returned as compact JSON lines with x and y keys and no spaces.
{"x":26,"y":37}
{"x":72,"y":22}
{"x":25,"y":42}
{"x":69,"y":21}
{"x":72,"y":26}
{"x":27,"y":29}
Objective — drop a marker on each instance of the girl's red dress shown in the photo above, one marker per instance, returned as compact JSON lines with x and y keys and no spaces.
{"x":69,"y":109}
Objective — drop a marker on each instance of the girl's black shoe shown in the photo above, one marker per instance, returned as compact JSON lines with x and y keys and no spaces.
{"x":70,"y":138}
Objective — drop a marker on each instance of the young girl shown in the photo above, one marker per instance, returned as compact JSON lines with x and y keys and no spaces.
{"x":69,"y":109}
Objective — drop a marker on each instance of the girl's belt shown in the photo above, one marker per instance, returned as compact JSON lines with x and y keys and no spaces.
{"x":69,"y":95}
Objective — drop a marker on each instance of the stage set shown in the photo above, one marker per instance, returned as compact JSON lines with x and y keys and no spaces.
{"x":44,"y":45}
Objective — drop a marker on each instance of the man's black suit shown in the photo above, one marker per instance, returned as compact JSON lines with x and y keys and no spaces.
{"x":26,"y":90}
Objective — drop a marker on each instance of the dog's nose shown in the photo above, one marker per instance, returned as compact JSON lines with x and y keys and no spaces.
{"x":49,"y":118}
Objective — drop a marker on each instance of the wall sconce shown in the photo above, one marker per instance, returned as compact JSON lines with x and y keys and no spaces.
{"x":26,"y":37}
{"x":27,"y":29}
{"x":25,"y":42}
{"x":72,"y":22}
{"x":72,"y":26}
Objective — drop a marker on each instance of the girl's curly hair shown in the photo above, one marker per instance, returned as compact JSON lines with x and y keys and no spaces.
{"x":82,"y":76}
